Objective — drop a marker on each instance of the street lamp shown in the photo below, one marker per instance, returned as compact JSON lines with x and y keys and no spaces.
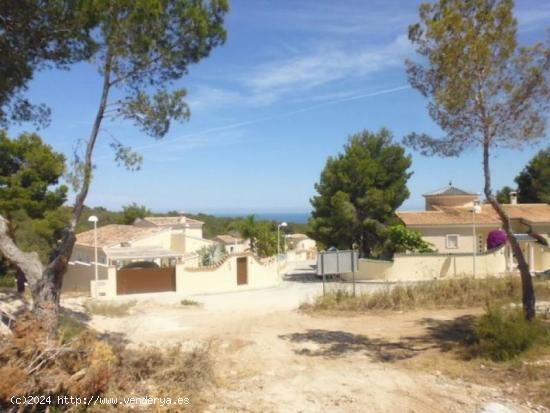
{"x":475,"y":210}
{"x":282,"y":224}
{"x":94,"y":219}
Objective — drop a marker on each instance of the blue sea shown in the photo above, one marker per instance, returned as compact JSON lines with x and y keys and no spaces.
{"x":291,"y":217}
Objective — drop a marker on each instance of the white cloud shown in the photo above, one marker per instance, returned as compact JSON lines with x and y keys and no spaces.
{"x":172,"y":150}
{"x":277,"y":79}
{"x":205,"y":97}
{"x":326,"y":65}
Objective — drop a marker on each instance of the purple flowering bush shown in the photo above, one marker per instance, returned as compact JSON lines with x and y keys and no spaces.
{"x":496,"y":238}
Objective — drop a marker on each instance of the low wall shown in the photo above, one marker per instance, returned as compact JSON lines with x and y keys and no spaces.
{"x":78,"y":277}
{"x":223,"y":277}
{"x":189,"y":278}
{"x":419,"y":267}
{"x":542,"y":257}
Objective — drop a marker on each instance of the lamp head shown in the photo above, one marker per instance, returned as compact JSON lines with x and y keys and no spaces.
{"x":92,"y":218}
{"x":283,"y":224}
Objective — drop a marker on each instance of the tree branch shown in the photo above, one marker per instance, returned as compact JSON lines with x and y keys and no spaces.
{"x":27,"y":262}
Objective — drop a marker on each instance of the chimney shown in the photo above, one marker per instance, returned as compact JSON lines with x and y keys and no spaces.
{"x":513,"y":197}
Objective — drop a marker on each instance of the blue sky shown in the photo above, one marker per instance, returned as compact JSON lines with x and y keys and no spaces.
{"x":292,"y":82}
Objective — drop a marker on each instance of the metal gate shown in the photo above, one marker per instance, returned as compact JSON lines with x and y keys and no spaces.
{"x":145,"y":280}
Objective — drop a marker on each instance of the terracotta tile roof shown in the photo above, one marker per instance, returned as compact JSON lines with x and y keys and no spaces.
{"x":111,"y":235}
{"x":228,"y":239}
{"x":535,"y":213}
{"x":172,"y":221}
{"x":449,"y":190}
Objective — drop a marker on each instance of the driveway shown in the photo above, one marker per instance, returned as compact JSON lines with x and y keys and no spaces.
{"x":270,"y":358}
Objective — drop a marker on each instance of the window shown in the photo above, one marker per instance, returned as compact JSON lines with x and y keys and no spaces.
{"x":451,"y":241}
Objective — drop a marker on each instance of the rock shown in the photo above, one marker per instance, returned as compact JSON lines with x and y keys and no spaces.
{"x":496,"y":408}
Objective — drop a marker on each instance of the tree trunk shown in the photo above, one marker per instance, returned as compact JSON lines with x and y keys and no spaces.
{"x":45,"y":282}
{"x":528,"y":293}
{"x":47,"y":293}
{"x":46,"y":302}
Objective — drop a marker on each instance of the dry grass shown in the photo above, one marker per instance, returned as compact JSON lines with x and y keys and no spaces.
{"x":70,"y":327}
{"x":107,"y":309}
{"x":454,"y":293}
{"x":524,"y":378}
{"x":498,"y":349}
{"x":86,"y":366}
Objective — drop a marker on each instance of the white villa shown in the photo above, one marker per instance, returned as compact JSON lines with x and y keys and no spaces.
{"x":233,"y":244}
{"x":448,"y":223}
{"x":449,"y":219}
{"x":301,"y":247}
{"x":158,"y":254}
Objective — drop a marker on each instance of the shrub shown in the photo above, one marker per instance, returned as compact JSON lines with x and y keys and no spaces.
{"x":403,"y":239}
{"x":503,"y":334}
{"x":496,"y":238}
{"x":7,"y":281}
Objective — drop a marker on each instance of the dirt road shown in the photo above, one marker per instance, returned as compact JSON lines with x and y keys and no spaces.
{"x":272,"y":358}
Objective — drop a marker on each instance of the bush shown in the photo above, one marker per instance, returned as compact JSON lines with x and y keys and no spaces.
{"x":403,"y":239}
{"x":7,"y":281}
{"x":504,"y":334}
{"x":496,"y":238}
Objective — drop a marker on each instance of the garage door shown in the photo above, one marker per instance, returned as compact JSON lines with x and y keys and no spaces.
{"x":145,"y":280}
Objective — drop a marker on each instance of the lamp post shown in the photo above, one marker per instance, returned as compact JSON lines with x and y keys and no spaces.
{"x":282,"y":224}
{"x":475,"y":210}
{"x":94,"y":219}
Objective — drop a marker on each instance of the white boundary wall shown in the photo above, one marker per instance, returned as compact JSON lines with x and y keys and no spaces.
{"x":189,"y":279}
{"x":419,"y":267}
{"x":223,"y":277}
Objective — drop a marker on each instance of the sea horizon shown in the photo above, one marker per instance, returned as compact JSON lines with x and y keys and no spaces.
{"x":289,"y":217}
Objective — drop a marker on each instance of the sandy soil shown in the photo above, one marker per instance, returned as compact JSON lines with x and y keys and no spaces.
{"x":272,"y":358}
